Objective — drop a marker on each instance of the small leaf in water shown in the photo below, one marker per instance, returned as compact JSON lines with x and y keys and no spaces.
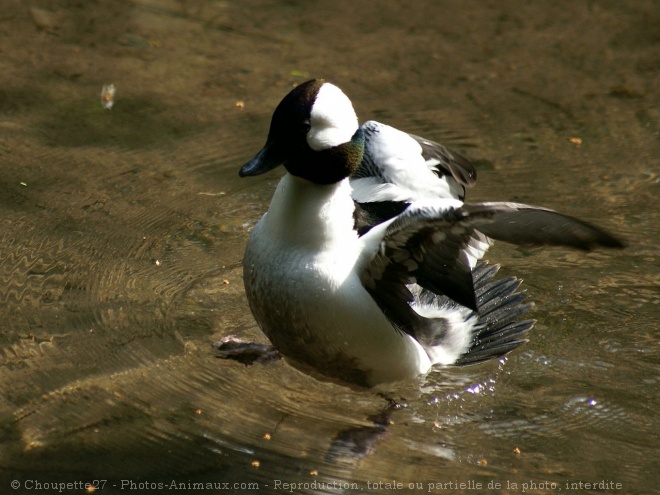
{"x":108,"y":96}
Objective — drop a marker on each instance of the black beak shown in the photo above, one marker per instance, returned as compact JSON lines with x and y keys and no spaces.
{"x":267,"y":159}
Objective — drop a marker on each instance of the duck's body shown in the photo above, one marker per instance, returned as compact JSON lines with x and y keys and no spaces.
{"x":301,"y":272}
{"x":365,"y":267}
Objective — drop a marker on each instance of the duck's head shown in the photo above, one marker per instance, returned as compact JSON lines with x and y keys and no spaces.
{"x":314,"y":133}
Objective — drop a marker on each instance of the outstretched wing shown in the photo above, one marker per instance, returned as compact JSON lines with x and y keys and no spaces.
{"x":437,"y":244}
{"x":530,"y":225}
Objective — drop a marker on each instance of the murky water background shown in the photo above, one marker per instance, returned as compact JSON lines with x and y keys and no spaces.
{"x":122,"y":231}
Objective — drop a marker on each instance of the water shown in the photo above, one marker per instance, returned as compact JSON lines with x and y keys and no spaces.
{"x":122,"y":231}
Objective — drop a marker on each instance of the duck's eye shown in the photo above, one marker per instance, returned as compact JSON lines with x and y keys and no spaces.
{"x":305,"y":127}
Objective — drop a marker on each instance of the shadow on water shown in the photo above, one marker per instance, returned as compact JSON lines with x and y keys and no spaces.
{"x":122,"y":232}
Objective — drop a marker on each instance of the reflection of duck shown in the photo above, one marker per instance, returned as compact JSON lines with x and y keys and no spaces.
{"x":366,"y":266}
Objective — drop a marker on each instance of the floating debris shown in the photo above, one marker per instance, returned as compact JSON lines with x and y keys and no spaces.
{"x":108,"y":96}
{"x":43,"y":19}
{"x":240,"y":104}
{"x":575,"y":140}
{"x":221,"y":193}
{"x":255,"y":464}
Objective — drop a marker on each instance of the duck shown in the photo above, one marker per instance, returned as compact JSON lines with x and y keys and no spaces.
{"x":367,"y":267}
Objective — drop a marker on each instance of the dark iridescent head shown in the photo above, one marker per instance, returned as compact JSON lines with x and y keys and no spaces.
{"x":314,"y":133}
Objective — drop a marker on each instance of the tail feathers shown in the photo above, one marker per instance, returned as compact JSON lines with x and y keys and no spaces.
{"x":499,"y":307}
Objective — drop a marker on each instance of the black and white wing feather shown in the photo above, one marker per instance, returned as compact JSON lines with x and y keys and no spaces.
{"x":448,"y":162}
{"x":400,"y":168}
{"x":436,"y":246}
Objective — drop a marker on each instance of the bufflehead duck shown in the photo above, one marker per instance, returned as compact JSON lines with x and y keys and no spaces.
{"x":367,"y":265}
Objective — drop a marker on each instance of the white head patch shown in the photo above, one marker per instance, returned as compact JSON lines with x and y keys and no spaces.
{"x":333,"y":120}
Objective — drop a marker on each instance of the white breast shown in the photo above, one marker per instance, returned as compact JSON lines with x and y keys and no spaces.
{"x":302,"y":284}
